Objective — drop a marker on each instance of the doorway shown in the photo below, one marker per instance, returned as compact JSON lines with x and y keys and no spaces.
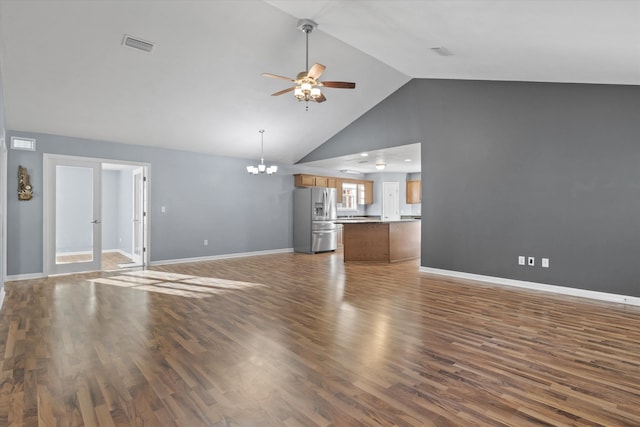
{"x":94,"y":213}
{"x":390,"y":201}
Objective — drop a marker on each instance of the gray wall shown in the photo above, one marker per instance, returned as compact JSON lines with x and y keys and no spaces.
{"x":206,"y":197}
{"x":515,"y":168}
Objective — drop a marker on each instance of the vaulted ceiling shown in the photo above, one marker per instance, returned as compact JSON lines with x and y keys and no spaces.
{"x":65,"y":70}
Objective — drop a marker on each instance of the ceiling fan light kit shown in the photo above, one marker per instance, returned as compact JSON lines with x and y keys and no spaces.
{"x":307,"y":86}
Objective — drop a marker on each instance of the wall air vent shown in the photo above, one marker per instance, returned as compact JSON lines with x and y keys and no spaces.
{"x":137,"y":43}
{"x":27,"y":144}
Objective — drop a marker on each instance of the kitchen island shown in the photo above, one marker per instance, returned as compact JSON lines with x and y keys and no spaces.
{"x":380,"y":241}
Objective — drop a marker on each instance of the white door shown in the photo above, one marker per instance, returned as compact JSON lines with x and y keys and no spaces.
{"x":390,"y":201}
{"x":73,"y":229}
{"x":138,"y":221}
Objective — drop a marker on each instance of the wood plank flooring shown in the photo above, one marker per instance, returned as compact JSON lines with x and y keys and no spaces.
{"x":306,"y":340}
{"x":110,"y":260}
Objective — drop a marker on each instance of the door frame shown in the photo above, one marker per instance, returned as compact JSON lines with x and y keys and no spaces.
{"x":49,"y":207}
{"x":393,"y":187}
{"x":139,"y":215}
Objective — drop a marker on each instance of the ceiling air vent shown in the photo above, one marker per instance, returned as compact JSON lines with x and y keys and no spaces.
{"x":137,"y":43}
{"x":442,"y":51}
{"x":27,"y":144}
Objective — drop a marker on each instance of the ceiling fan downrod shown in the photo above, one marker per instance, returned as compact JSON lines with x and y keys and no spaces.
{"x":306,"y":26}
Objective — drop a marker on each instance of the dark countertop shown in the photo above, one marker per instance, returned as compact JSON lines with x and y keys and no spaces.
{"x":371,"y":221}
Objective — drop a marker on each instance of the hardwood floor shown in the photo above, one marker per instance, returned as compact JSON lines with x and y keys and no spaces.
{"x":305,"y":340}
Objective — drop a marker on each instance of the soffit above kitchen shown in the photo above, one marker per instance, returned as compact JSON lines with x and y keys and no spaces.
{"x":398,"y":159}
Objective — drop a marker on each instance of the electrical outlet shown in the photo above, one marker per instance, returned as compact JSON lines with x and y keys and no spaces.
{"x":545,"y":262}
{"x":521,"y":260}
{"x":206,"y":242}
{"x":163,"y":209}
{"x":531,"y":261}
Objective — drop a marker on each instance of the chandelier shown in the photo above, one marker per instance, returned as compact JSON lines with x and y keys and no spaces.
{"x":262,"y":168}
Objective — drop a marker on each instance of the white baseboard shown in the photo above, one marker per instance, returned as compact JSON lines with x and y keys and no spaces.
{"x":602,"y":296}
{"x":216,"y":257}
{"x":168,"y":261}
{"x":29,"y":276}
{"x":120,"y":251}
{"x":124,"y":253}
{"x":74,"y":253}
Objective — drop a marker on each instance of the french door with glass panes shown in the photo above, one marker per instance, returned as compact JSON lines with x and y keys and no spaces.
{"x":72,"y":210}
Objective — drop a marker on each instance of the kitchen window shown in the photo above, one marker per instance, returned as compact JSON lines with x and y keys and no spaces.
{"x":349,"y":196}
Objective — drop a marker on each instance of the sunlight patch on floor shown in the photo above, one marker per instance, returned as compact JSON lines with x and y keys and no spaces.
{"x":175,"y":284}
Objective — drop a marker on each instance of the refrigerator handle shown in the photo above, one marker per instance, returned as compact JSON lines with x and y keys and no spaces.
{"x":324,"y":202}
{"x":327,"y":208}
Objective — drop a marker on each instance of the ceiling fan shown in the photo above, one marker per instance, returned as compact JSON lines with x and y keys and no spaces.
{"x":307,"y":86}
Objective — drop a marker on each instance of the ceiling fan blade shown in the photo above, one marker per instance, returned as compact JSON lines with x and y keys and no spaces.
{"x":321,"y":98}
{"x":315,"y":71}
{"x":290,"y":89}
{"x":275,"y":76}
{"x":339,"y":85}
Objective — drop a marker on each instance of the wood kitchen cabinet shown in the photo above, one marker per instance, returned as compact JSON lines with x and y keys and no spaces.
{"x":305,"y":180}
{"x":322,"y":181}
{"x":338,"y":190}
{"x":368,"y":192}
{"x":381,"y":241}
{"x":414,"y":192}
{"x":365,"y":192}
{"x":365,"y":188}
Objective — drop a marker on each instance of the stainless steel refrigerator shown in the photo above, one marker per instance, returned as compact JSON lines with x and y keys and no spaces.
{"x":314,"y":213}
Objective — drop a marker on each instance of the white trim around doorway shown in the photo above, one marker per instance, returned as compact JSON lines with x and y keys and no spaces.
{"x":47,"y":208}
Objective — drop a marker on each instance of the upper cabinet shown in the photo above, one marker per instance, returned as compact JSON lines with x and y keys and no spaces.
{"x":367,"y":193}
{"x":365,"y":187}
{"x":414,"y":192}
{"x":303,"y":180}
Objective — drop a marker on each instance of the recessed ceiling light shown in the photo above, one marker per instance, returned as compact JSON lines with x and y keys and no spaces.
{"x":364,"y":154}
{"x":407,"y":160}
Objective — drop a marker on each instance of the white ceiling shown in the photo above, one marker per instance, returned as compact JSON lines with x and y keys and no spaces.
{"x":404,"y":159}
{"x":65,"y":71}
